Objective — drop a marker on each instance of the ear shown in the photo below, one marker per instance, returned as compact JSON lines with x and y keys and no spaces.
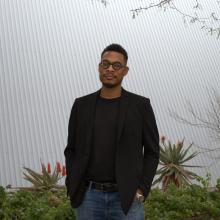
{"x":125,"y":72}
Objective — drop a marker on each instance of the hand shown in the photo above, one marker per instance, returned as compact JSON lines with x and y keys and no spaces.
{"x":139,"y":196}
{"x":140,"y":192}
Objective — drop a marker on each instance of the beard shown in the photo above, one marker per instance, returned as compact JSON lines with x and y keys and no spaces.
{"x":110,"y":86}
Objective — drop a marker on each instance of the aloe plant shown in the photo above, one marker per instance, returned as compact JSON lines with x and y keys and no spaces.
{"x":45,"y":180}
{"x":173,"y":158}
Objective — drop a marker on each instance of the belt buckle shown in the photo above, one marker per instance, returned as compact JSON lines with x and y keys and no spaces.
{"x":103,"y":188}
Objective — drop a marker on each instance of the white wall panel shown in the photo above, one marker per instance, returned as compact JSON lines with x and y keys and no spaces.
{"x":49,"y":52}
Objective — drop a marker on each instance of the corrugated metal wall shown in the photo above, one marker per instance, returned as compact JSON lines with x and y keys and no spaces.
{"x":49,"y":51}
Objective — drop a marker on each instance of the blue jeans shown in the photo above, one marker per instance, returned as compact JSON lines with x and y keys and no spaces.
{"x":98,"y":205}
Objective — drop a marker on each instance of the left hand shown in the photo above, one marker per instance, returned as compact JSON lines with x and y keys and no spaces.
{"x":138,"y":191}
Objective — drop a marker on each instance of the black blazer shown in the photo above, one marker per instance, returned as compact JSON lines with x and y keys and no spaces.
{"x":137,"y":154}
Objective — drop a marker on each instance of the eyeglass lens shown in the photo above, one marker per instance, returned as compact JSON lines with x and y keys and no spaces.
{"x":106,"y":64}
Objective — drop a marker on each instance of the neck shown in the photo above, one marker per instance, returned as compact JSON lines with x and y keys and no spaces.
{"x":110,"y":93}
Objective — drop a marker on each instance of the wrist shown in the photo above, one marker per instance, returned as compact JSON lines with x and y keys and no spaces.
{"x":139,"y":197}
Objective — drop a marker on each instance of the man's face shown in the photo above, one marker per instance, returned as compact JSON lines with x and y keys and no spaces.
{"x":112,"y":75}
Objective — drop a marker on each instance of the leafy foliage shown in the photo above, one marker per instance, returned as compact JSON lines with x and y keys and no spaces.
{"x":190,"y":202}
{"x":218,"y":184}
{"x":45,"y":205}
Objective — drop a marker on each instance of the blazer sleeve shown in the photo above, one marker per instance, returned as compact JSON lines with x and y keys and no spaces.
{"x":150,"y":141}
{"x":69,"y":151}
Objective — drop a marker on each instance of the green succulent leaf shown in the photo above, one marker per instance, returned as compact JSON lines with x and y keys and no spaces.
{"x":44,"y":180}
{"x":172,"y":164}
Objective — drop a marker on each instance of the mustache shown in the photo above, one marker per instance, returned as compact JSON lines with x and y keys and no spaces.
{"x":108,"y":74}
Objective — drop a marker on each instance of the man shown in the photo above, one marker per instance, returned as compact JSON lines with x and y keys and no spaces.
{"x":113,"y":147}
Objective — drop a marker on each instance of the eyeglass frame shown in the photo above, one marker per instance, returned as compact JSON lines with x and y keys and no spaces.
{"x":111,"y":64}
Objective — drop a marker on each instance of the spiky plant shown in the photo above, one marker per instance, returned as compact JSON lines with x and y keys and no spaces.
{"x":45,"y":180}
{"x":173,"y":158}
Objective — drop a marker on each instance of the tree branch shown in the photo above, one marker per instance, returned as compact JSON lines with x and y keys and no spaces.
{"x":193,"y":18}
{"x":210,"y":122}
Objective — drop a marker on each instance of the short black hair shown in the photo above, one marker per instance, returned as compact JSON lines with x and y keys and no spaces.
{"x":116,"y":48}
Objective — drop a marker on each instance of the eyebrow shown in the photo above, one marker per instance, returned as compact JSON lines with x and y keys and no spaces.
{"x":112,"y":62}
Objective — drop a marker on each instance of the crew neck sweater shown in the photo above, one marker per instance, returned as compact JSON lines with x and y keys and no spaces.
{"x":101,"y":167}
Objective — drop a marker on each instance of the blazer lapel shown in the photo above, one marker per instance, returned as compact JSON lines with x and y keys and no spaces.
{"x":121,"y":114}
{"x":90,"y":121}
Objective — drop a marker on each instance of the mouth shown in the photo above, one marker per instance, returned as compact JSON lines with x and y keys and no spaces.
{"x":109,"y":77}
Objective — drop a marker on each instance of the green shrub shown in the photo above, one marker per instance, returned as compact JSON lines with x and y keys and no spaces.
{"x":218,"y":184}
{"x":27,"y":205}
{"x":189,"y":202}
{"x":185,"y":203}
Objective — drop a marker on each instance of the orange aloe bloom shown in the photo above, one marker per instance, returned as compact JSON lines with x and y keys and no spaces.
{"x":48,"y":168}
{"x":43,"y":168}
{"x":58,"y":167}
{"x":162,"y":139}
{"x":63,"y":171}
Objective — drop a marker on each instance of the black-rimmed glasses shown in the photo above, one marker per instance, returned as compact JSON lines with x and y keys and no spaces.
{"x":105,"y":64}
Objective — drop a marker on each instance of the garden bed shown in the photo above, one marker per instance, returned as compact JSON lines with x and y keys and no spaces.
{"x":187,"y":203}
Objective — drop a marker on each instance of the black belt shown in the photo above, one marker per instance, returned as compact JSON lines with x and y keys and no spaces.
{"x":105,"y":187}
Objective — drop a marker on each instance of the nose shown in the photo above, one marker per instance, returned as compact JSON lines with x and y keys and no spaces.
{"x":110,"y":68}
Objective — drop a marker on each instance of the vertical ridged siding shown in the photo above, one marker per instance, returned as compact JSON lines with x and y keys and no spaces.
{"x":49,"y":51}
